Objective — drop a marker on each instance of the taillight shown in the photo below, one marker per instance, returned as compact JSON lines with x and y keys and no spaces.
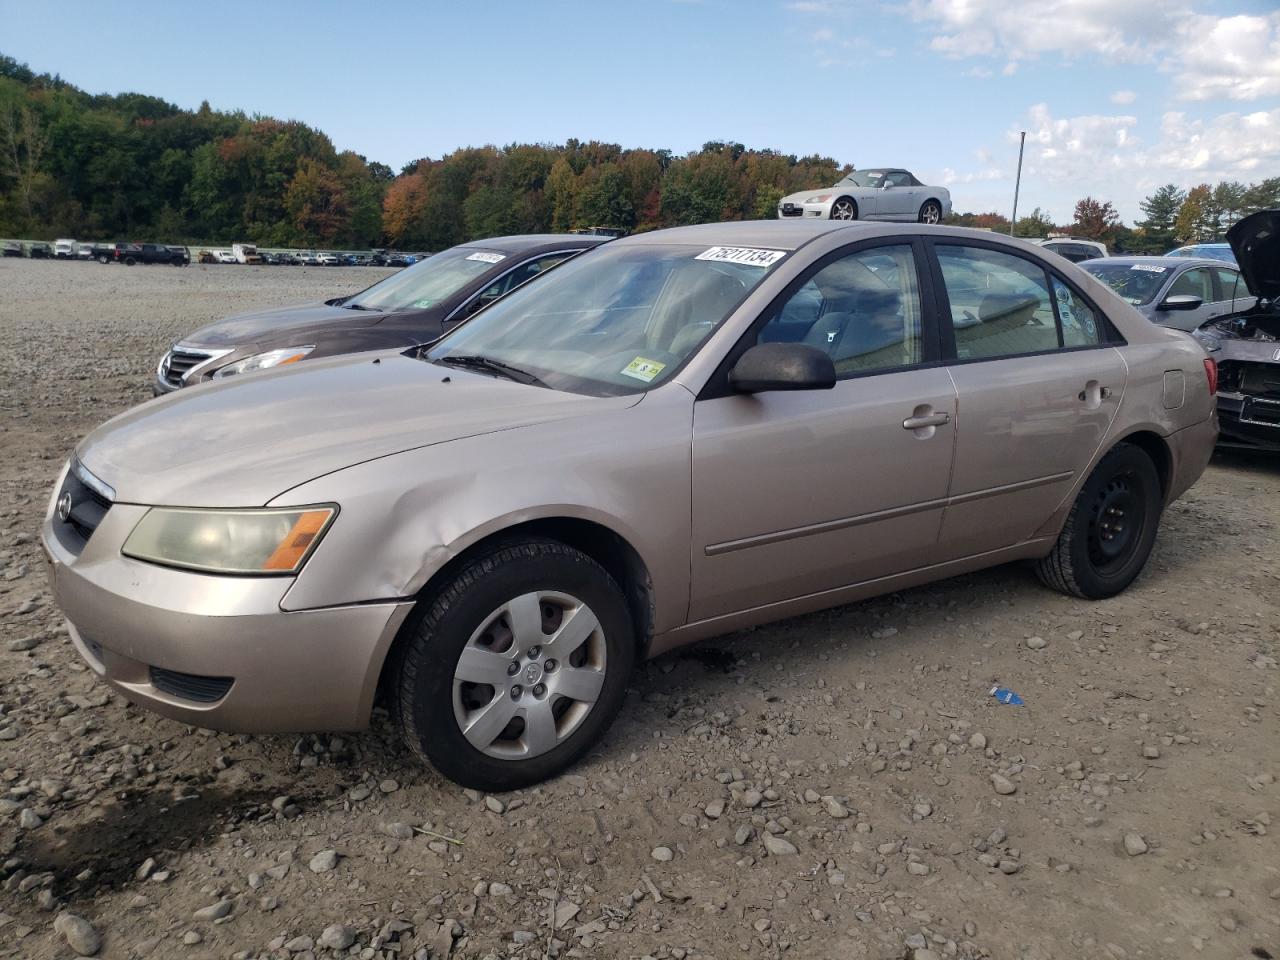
{"x":1211,"y":374}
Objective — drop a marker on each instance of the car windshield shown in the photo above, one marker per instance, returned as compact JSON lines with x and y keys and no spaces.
{"x":427,"y":282}
{"x":1137,"y":283}
{"x":866,"y":178}
{"x":619,"y":320}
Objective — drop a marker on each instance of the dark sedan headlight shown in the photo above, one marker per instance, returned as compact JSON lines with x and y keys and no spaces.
{"x":264,"y":361}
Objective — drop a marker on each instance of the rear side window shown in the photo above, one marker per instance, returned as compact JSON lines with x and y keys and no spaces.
{"x":862,"y":309}
{"x":1000,"y":303}
{"x":1230,"y":284}
{"x":1080,"y":325}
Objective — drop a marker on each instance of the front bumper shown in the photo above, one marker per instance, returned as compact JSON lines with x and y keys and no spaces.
{"x":1249,"y":421}
{"x":790,"y":210}
{"x":217,"y":651}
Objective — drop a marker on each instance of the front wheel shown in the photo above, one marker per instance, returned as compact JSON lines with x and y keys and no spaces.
{"x":516,"y":667}
{"x":845,"y":208}
{"x":1109,"y":533}
{"x":931,"y":212}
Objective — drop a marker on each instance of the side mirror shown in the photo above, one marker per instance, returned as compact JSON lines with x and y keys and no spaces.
{"x":887,"y":185}
{"x":782,"y":366}
{"x":1181,"y":301}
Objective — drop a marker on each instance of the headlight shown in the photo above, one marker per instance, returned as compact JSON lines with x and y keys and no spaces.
{"x":822,"y":199}
{"x":265,"y":542}
{"x":264,"y":361}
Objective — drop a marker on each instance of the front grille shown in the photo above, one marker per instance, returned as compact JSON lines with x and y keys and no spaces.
{"x":791,"y":210}
{"x":1255,"y":379}
{"x":190,"y":686}
{"x":87,"y":509}
{"x":178,"y":362}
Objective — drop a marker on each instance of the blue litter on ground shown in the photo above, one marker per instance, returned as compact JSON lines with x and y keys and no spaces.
{"x":1005,"y":695}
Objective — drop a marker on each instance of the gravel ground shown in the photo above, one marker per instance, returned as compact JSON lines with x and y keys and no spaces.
{"x":839,"y":785}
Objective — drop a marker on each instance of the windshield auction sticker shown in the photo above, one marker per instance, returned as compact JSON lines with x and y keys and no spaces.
{"x":1146,"y":268}
{"x":642,"y":369}
{"x":484,"y":257}
{"x":750,"y":256}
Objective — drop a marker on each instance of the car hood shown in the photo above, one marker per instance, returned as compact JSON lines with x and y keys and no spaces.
{"x":804,"y":195}
{"x":1255,"y":241}
{"x":241,"y":443}
{"x":249,"y":328}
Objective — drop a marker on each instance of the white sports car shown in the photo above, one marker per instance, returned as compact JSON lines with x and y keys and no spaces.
{"x":885,"y":193}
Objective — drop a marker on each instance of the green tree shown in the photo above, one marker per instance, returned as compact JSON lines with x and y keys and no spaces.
{"x":1035,"y":224}
{"x":1159,"y":228}
{"x":1191,"y":225}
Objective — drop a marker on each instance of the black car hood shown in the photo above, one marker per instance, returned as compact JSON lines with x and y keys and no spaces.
{"x":271,"y":325}
{"x":1255,"y":241}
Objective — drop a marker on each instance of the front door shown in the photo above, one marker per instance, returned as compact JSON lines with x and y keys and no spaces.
{"x":1038,"y":383}
{"x":799,"y":493}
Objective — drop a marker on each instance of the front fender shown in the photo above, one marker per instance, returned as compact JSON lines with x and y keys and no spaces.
{"x":402,"y":518}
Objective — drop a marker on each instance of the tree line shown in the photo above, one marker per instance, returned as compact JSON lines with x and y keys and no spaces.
{"x":130,"y":167}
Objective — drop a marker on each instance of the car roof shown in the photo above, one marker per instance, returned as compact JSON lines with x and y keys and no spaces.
{"x":1170,"y":262}
{"x":775,"y":234}
{"x":530,"y":242}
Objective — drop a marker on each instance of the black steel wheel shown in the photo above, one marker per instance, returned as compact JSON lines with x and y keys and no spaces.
{"x":1111,"y":528}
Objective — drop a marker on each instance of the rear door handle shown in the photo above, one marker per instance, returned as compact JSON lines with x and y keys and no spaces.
{"x":1104,"y":393}
{"x":928,"y":420}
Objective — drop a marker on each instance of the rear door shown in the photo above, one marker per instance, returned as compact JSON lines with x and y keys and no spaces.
{"x":1038,"y":383}
{"x":796,"y":493}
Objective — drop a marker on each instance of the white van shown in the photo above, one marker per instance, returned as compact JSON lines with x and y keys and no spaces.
{"x":245,"y":253}
{"x":64,"y":249}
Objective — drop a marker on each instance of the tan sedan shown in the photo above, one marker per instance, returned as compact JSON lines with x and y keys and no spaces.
{"x":672,"y":436}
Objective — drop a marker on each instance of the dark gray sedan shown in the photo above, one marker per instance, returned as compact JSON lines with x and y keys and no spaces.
{"x":1178,"y":292}
{"x":411,"y":307}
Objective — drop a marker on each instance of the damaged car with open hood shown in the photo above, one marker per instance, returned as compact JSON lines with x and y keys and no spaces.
{"x":1246,"y":345}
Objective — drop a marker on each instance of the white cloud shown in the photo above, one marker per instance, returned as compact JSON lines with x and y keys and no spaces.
{"x":1100,"y":155}
{"x":1229,"y":58}
{"x":1123,"y":96}
{"x":1211,"y":57}
{"x":982,"y":73}
{"x":1010,"y":68}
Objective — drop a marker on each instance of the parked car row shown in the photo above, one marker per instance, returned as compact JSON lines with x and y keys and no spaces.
{"x":486,"y":486}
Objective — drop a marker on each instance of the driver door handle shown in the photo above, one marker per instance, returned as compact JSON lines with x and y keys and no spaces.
{"x":928,"y":420}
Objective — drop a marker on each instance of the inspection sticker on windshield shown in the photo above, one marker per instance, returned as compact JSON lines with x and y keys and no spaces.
{"x":642,"y":369}
{"x":750,"y":256}
{"x":487,"y":257}
{"x":1146,"y":268}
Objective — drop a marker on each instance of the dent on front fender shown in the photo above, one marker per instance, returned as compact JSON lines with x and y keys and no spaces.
{"x":405,"y":517}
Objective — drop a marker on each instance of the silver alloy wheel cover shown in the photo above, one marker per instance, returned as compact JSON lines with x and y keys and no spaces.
{"x":930,"y":213}
{"x":522,"y":619}
{"x":842,"y":209}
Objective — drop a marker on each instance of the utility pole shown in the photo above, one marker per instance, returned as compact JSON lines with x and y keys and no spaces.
{"x":1017,"y":185}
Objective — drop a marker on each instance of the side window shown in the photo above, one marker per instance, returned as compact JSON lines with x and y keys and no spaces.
{"x":1195,"y":282}
{"x":1230,"y":284}
{"x":863,"y":310}
{"x":1000,"y":303}
{"x":1080,"y":327}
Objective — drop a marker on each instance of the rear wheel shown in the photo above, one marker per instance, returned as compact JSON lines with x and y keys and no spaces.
{"x":931,"y":212}
{"x":845,"y":208}
{"x":516,"y":667}
{"x":1109,"y":533}
{"x":129,"y":261}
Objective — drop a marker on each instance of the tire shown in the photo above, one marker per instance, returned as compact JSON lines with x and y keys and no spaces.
{"x":433,"y":701}
{"x":845,"y":208}
{"x":931,"y":212}
{"x":102,"y":260}
{"x":1109,"y":533}
{"x":129,"y":261}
